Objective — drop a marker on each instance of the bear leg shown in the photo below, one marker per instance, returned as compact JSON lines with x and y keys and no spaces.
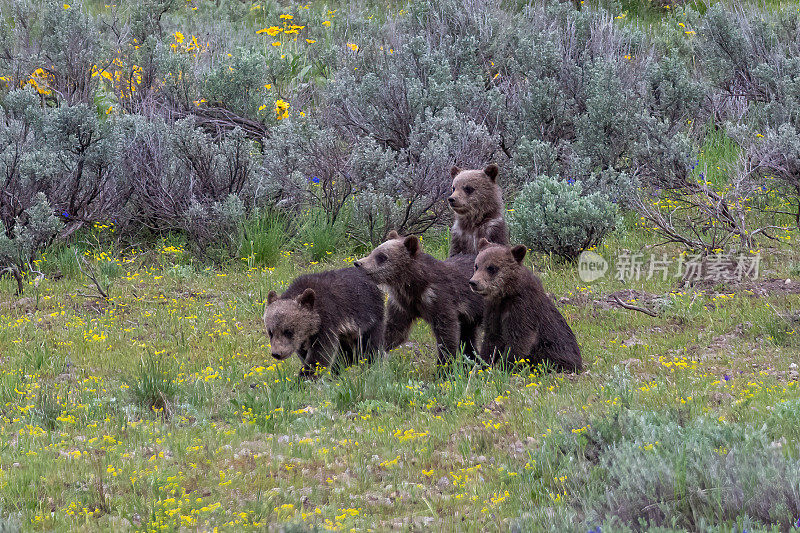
{"x":446,"y":330}
{"x":398,"y":326}
{"x":469,"y":331}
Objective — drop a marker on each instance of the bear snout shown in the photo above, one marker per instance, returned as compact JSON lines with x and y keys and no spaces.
{"x":280,"y":356}
{"x":358,"y":264}
{"x":451,"y":200}
{"x":473,"y":285}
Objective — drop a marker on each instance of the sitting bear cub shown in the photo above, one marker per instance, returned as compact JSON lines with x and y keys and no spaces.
{"x":520,"y":321}
{"x":421,"y":286}
{"x":320,"y":316}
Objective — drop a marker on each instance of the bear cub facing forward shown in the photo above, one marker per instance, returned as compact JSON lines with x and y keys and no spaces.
{"x":421,"y":286}
{"x":477,"y":202}
{"x":520,"y":320}
{"x":329,"y":319}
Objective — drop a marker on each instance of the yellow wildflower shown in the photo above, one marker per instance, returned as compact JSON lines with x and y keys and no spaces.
{"x":281,"y":109}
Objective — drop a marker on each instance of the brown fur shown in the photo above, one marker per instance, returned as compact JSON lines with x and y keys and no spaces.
{"x":520,"y":321}
{"x":324,"y":314}
{"x":477,"y":202}
{"x":420,"y":286}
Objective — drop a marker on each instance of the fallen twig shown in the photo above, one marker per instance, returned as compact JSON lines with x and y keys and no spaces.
{"x":91,"y":275}
{"x":634,"y":307}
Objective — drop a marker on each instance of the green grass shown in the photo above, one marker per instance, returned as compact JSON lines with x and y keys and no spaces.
{"x":263,"y":236}
{"x":162,"y":409}
{"x":718,"y":155}
{"x":319,"y":236}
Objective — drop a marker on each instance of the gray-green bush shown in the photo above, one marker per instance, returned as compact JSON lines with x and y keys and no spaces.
{"x":552,"y":215}
{"x":649,"y":470}
{"x":32,"y":231}
{"x":151,"y":118}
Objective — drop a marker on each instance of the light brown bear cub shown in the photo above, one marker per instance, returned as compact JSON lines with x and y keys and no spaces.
{"x":329,"y":319}
{"x":420,"y":286}
{"x":520,"y":320}
{"x":477,"y":202}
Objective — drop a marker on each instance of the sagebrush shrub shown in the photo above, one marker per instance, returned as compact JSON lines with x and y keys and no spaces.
{"x":553,"y":215}
{"x":141,"y":115}
{"x":150,"y":176}
{"x":645,"y":470}
{"x":32,"y":231}
{"x":215,"y":230}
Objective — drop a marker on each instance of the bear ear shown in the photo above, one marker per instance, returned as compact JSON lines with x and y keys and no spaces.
{"x":412,"y":245}
{"x":307,"y":298}
{"x":271,"y":297}
{"x":519,"y":252}
{"x":492,"y":171}
{"x":483,"y":243}
{"x":392,"y":235}
{"x":454,"y":170}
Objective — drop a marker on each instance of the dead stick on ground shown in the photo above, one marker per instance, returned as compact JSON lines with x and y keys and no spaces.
{"x":633,"y":307}
{"x":91,"y":275}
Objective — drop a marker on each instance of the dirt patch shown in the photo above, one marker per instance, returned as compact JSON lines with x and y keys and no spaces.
{"x":26,"y":305}
{"x":770,"y":287}
{"x":648,"y":300}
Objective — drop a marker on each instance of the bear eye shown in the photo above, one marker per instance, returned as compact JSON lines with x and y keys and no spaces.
{"x":469,"y":190}
{"x":491,"y":269}
{"x":381,"y":258}
{"x":288,"y":334}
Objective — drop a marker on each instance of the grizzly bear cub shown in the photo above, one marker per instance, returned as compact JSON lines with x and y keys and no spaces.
{"x":520,"y":320}
{"x":320,"y":316}
{"x":420,"y":286}
{"x":477,"y":202}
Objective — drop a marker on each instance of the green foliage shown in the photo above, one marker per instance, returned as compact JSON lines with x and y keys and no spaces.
{"x":320,"y":236}
{"x":552,"y":215}
{"x":154,"y":385}
{"x":238,"y":82}
{"x":47,"y":408}
{"x":381,"y":386}
{"x":637,"y":469}
{"x":31,"y":232}
{"x":785,"y":422}
{"x":215,"y":229}
{"x":157,"y":125}
{"x":270,"y":406}
{"x":62,"y":259}
{"x":42,"y":359}
{"x":263,"y":236}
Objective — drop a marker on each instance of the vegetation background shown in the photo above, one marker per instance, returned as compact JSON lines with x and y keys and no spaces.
{"x":165,"y":163}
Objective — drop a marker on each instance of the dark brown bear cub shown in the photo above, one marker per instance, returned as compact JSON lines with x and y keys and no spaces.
{"x":329,"y":319}
{"x":477,"y":202}
{"x":520,"y":321}
{"x":420,"y":286}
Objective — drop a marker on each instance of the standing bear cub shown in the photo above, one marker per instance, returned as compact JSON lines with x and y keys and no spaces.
{"x":325,"y":315}
{"x":477,"y":202}
{"x":421,"y":286}
{"x":520,"y":320}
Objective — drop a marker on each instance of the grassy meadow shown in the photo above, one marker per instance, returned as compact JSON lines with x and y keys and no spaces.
{"x":237,"y":145}
{"x":160,"y":408}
